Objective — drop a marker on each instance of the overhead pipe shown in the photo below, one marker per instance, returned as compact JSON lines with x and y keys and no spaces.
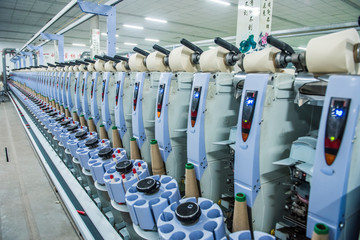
{"x":63,"y":11}
{"x":81,"y":20}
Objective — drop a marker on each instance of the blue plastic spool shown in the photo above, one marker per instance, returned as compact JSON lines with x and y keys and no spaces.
{"x":99,"y":166}
{"x":66,"y":136}
{"x":246,"y":235}
{"x":118,"y":188}
{"x":144,"y":208}
{"x":210,"y":224}
{"x":74,"y":144}
{"x":84,"y":153}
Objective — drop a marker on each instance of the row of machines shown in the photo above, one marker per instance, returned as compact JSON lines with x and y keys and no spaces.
{"x":177,"y":145}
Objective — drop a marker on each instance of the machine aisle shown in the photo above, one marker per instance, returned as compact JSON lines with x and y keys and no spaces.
{"x":92,"y":225}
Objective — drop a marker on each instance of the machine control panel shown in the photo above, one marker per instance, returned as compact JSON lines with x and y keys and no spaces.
{"x":117,"y":92}
{"x":75,"y":85}
{"x":335,"y":127}
{"x":136,"y":93}
{"x":67,"y":83}
{"x":92,"y":87}
{"x":103,"y":90}
{"x":83,"y":87}
{"x":195,"y":99}
{"x":248,"y":113}
{"x":160,"y":99}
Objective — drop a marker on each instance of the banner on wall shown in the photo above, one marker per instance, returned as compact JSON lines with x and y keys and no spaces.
{"x":253,"y":24}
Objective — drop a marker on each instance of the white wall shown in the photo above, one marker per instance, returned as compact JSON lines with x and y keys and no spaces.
{"x":71,"y":53}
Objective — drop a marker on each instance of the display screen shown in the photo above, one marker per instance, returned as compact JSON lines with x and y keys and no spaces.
{"x":339,"y":112}
{"x":250,"y":101}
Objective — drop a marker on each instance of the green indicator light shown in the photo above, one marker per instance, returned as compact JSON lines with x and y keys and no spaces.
{"x":245,"y":121}
{"x":332,"y":138}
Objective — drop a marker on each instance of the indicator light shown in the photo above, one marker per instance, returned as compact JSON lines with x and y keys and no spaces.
{"x":123,"y":177}
{"x":140,"y":167}
{"x":112,"y":178}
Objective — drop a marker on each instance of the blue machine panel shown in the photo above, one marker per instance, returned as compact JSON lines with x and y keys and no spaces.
{"x":93,"y":93}
{"x":137,"y":113}
{"x":84,"y":95}
{"x":77,"y":92}
{"x":119,"y":105}
{"x":247,"y":172}
{"x":161,"y":115}
{"x":334,"y":158}
{"x":105,"y":111}
{"x":195,"y":128}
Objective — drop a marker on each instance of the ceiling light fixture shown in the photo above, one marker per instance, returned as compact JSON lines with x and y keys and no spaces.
{"x":79,"y":44}
{"x":301,"y":48}
{"x":105,"y":34}
{"x":221,"y":2}
{"x":155,"y":20}
{"x":151,"y":40}
{"x":212,"y":47}
{"x":133,"y":26}
{"x":130,"y":44}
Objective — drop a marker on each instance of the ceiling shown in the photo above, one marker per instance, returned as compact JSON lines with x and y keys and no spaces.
{"x":191,"y":19}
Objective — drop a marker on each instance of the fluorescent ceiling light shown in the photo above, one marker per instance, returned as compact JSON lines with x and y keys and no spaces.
{"x":130,"y":44}
{"x":221,"y":2}
{"x":117,"y":48}
{"x":151,"y":40}
{"x":212,"y":47}
{"x":133,"y":26}
{"x":105,"y":34}
{"x":79,"y":44}
{"x":155,"y":20}
{"x":301,"y":48}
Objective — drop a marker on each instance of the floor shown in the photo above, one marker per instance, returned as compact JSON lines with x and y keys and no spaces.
{"x":29,"y":208}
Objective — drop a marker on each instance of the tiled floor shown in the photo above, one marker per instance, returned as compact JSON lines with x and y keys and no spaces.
{"x":29,"y":208}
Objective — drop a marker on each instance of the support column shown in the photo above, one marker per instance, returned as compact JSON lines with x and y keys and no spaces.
{"x":95,"y":36}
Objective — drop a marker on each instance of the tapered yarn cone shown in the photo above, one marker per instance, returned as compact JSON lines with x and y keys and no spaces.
{"x":83,"y":120}
{"x":92,"y":127}
{"x":134,"y":149}
{"x":103,"y":132}
{"x":62,"y":109}
{"x":53,"y":104}
{"x":117,"y":143}
{"x":241,"y":217}
{"x":75,"y":116}
{"x":57,"y":106}
{"x":321,"y":232}
{"x":67,"y":112}
{"x":157,"y":164}
{"x":191,"y":184}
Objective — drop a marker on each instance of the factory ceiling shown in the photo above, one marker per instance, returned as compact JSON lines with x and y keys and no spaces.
{"x":191,"y":19}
